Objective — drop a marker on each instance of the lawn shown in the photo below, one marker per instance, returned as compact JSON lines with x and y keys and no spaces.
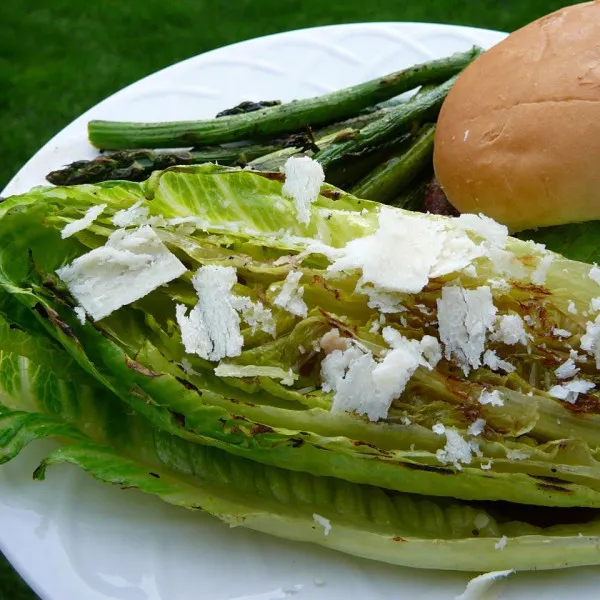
{"x":59,"y":57}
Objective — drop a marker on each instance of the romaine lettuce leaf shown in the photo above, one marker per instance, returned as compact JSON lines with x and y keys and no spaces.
{"x":113,"y":445}
{"x":230,"y":217}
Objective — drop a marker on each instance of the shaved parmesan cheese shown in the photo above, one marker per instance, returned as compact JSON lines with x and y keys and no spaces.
{"x":128,"y":267}
{"x":495,"y":363}
{"x":590,"y":341}
{"x":465,"y":317}
{"x":491,"y":231}
{"x":367,"y":386}
{"x":487,"y":466}
{"x":478,"y":587}
{"x":538,"y":277}
{"x":290,"y":296}
{"x":80,"y":314}
{"x":432,"y":351}
{"x":501,"y":543}
{"x":561,"y":333}
{"x":325,"y":523}
{"x":477,"y":427}
{"x":595,"y":304}
{"x":212,"y":328}
{"x":425,"y":247}
{"x":135,"y":215}
{"x":567,"y":369}
{"x":255,"y":314}
{"x":569,"y":391}
{"x":513,"y":454}
{"x":595,"y":273}
{"x":493,"y":398}
{"x":230,"y":370}
{"x":573,"y":309}
{"x":303,"y":179}
{"x":90,"y":216}
{"x":439,"y":429}
{"x":510,"y":330}
{"x":456,"y":451}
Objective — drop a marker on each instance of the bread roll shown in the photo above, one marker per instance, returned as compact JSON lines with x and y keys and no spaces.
{"x":518,"y":137}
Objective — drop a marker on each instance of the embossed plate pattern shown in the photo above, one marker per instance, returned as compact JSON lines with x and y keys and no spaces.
{"x":73,"y":538}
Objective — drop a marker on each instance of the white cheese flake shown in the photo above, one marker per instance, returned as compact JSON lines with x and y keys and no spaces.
{"x":572,"y":308}
{"x":232,"y":370}
{"x":368,"y":386}
{"x":80,"y":224}
{"x":290,"y":295}
{"x":495,"y":363}
{"x":538,"y":277}
{"x":595,"y":304}
{"x":487,"y":466}
{"x":510,"y":330}
{"x":477,"y":427}
{"x":567,"y":370}
{"x":590,"y":341}
{"x":212,"y":328}
{"x":493,"y":398}
{"x":594,"y":273}
{"x":514,"y":454}
{"x":501,"y":543}
{"x":323,"y":522}
{"x":561,"y":333}
{"x":133,"y":216}
{"x":255,"y":314}
{"x":457,"y":450}
{"x":571,"y":390}
{"x":128,"y":267}
{"x":80,"y":314}
{"x":426,"y":248}
{"x":439,"y":429}
{"x":465,"y":317}
{"x":303,"y":179}
{"x":479,"y":586}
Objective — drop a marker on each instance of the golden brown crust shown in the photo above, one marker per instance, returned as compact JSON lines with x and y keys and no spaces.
{"x":518,"y":137}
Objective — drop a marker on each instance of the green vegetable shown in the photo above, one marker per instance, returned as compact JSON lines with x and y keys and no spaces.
{"x":276,"y":120}
{"x":248,"y":224}
{"x":421,"y":108}
{"x":124,"y":449}
{"x":388,"y":179}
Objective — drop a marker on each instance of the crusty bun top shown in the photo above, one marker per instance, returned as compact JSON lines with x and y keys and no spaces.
{"x":518,"y":137}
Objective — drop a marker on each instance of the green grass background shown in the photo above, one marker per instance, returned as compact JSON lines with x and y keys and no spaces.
{"x":59,"y":57}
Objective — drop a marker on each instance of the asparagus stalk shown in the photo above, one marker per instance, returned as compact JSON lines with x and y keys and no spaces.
{"x":137,"y":165}
{"x":388,"y":179}
{"x":423,"y":107}
{"x":275,"y":120}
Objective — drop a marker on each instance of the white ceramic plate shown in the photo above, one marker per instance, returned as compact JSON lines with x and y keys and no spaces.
{"x":73,"y":538}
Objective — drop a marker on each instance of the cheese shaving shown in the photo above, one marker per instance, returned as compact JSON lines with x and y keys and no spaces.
{"x":128,"y":267}
{"x":573,"y":309}
{"x":90,"y":216}
{"x":212,"y":328}
{"x":325,"y":523}
{"x":425,"y":248}
{"x":510,"y":330}
{"x":538,"y":277}
{"x":594,"y":273}
{"x":303,"y":179}
{"x":495,"y":363}
{"x":567,"y":370}
{"x":255,"y":314}
{"x":493,"y":398}
{"x":135,"y":215}
{"x":456,"y":451}
{"x":290,"y":296}
{"x":571,"y":390}
{"x":80,"y":314}
{"x":477,"y":427}
{"x":465,"y":317}
{"x":501,"y":543}
{"x":368,"y":386}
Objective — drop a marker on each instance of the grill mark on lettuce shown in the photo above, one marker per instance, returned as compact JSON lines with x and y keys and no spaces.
{"x":139,"y":368}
